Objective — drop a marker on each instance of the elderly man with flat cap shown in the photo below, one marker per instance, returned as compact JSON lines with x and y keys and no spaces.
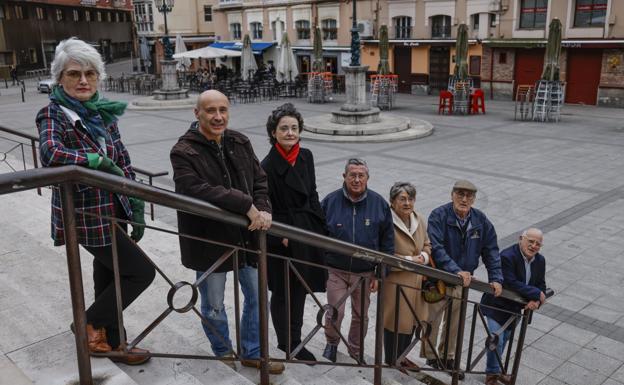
{"x":459,"y":235}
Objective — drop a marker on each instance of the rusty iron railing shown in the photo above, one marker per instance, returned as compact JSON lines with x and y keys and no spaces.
{"x":67,"y":176}
{"x":34,"y":139}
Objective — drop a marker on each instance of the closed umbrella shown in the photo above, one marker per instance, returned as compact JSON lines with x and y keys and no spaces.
{"x":248,"y":61}
{"x":183,"y":62}
{"x":317,"y":64}
{"x":286,"y":65}
{"x":553,"y":50}
{"x":384,"y":48}
{"x":144,"y":53}
{"x":461,"y":53}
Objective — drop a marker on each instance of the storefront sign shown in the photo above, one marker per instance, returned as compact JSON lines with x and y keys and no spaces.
{"x":571,"y":45}
{"x":411,"y":44}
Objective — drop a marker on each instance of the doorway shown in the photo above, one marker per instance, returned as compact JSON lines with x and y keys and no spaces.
{"x":439,"y":62}
{"x":528,"y":67}
{"x":403,"y":67}
{"x":583,"y":75}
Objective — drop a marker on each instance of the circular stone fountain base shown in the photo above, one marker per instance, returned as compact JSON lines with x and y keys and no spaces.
{"x":387,"y":129}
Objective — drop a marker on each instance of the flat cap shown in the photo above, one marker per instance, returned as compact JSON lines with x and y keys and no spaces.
{"x":464,"y":185}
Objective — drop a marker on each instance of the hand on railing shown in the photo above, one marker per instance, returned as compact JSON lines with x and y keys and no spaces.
{"x":138,"y":216}
{"x":260,"y":220}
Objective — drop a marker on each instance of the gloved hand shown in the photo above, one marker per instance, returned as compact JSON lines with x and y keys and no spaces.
{"x":138,"y":216}
{"x":103,"y":163}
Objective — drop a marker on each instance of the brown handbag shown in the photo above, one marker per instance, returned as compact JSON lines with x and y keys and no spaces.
{"x":433,"y":290}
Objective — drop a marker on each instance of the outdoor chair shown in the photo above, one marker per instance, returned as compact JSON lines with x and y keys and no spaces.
{"x":445,"y":102}
{"x":477,"y":101}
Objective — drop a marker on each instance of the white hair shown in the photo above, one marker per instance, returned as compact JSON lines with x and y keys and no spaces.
{"x":74,"y":49}
{"x":533,"y":230}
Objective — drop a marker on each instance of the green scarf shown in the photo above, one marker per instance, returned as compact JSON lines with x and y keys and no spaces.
{"x":108,"y":110}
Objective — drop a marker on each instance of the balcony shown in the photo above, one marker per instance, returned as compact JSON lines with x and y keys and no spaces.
{"x":229,"y":3}
{"x":441,"y":31}
{"x":119,"y":3}
{"x":88,"y":2}
{"x":401,"y":32}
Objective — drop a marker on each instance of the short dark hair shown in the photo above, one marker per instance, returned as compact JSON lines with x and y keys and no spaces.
{"x":399,"y":187}
{"x":286,"y":109}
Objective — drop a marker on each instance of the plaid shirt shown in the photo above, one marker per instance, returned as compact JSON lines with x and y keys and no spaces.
{"x":63,"y":141}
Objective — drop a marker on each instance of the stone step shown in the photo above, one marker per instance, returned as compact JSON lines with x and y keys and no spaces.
{"x":10,"y":374}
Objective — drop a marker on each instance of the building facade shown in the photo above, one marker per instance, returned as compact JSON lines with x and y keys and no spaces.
{"x":506,"y":46}
{"x":192,"y":20}
{"x":30,"y":30}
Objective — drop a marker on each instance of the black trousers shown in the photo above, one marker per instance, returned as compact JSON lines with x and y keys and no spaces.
{"x":279,"y":313}
{"x":402,"y":344}
{"x":136,"y":274}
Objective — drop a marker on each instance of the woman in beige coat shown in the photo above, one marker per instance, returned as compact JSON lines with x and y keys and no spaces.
{"x":412,"y":243}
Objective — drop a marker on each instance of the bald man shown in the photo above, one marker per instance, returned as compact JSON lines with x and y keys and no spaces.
{"x":524,"y":270}
{"x":218,"y":165}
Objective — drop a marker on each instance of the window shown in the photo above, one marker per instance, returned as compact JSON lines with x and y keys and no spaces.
{"x":207,"y":13}
{"x":87,"y":15}
{"x":1,"y":11}
{"x":441,"y":27}
{"x":402,"y":27}
{"x":60,"y":15}
{"x":117,"y":17}
{"x":235,"y":30}
{"x":329,"y":27}
{"x":256,"y":30}
{"x":98,"y":16}
{"x":40,"y":13}
{"x":474,"y":66}
{"x":590,"y":13}
{"x":109,"y":17}
{"x":20,"y":12}
{"x":275,"y":24}
{"x":76,"y":15}
{"x":533,"y":14}
{"x":33,"y":55}
{"x":492,"y":19}
{"x":303,"y":29}
{"x":502,"y":58}
{"x":475,"y":22}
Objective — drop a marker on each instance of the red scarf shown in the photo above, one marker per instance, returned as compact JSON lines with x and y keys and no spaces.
{"x":290,"y":156}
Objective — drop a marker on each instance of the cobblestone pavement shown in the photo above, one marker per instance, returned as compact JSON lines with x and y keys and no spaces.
{"x":565,"y":178}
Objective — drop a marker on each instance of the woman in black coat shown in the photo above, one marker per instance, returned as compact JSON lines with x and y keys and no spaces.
{"x":292,"y":191}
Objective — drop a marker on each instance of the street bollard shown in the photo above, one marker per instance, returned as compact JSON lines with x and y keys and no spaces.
{"x":23,"y":100}
{"x":6,"y":84}
{"x":23,"y":86}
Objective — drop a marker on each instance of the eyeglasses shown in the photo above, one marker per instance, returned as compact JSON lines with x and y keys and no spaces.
{"x":533,"y":242}
{"x":354,"y":176}
{"x":73,"y":75}
{"x":461,"y":194}
{"x":405,"y":199}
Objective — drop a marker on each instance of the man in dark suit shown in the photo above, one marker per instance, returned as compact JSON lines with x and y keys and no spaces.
{"x":524,"y":269}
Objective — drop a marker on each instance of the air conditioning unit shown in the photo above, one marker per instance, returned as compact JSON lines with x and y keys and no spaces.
{"x":365,"y":27}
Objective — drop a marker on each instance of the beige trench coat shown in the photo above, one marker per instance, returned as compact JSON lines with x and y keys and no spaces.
{"x":407,"y":242}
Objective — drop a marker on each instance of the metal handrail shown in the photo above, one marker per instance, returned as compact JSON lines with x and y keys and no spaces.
{"x":41,"y":177}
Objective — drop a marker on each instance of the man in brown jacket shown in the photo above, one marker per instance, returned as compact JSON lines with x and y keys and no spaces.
{"x":218,"y":165}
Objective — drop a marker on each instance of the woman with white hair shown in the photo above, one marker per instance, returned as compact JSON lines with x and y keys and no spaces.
{"x":79,"y":127}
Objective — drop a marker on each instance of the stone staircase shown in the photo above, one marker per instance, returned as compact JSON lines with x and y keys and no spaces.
{"x":38,"y":347}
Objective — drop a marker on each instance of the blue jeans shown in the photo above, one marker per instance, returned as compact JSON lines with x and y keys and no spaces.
{"x":492,"y":366}
{"x":212,"y":291}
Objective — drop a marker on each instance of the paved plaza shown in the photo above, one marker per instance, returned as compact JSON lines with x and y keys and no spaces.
{"x":566,"y":178}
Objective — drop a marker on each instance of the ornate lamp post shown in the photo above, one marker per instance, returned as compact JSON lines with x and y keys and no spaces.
{"x":170,"y":89}
{"x":355,"y":39}
{"x":165,"y":6}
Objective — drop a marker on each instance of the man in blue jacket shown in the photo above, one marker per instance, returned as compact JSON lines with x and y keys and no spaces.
{"x":459,"y":234}
{"x":524,"y":269}
{"x":361,"y":216}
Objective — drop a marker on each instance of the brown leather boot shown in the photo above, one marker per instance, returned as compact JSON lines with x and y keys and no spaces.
{"x":491,"y":379}
{"x":136,"y":356}
{"x":97,"y":340}
{"x":504,"y":378}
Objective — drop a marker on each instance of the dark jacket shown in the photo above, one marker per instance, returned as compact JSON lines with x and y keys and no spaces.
{"x":455,"y":250}
{"x":514,"y":273}
{"x":367,"y":223}
{"x":295,"y":202}
{"x":231,"y":179}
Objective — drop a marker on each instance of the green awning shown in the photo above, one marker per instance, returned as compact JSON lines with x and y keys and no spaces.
{"x":516,"y":43}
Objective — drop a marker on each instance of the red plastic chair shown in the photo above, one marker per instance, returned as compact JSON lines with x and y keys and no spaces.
{"x":478,"y":101}
{"x":445,"y":102}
